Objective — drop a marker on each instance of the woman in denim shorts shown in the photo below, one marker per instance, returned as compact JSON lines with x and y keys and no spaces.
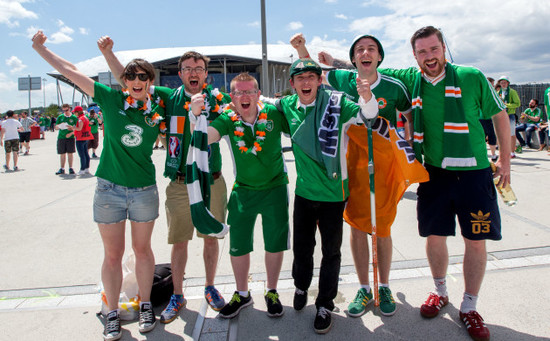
{"x":126,"y":185}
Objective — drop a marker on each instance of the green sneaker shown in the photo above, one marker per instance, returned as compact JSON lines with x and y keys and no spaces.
{"x":519,"y":149}
{"x":387,"y":304}
{"x":359,"y":304}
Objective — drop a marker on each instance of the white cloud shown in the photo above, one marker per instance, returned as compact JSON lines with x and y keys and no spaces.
{"x":84,"y":31}
{"x":331,"y":1}
{"x":294,"y":25}
{"x":340,"y":16}
{"x":11,"y":10}
{"x":254,"y":24}
{"x":15,"y":64}
{"x":499,"y":43}
{"x":60,"y":38}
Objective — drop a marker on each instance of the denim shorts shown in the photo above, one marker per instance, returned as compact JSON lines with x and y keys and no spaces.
{"x":114,"y":203}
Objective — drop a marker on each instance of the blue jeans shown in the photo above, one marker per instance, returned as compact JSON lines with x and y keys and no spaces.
{"x":529,"y":128}
{"x":82,"y":149}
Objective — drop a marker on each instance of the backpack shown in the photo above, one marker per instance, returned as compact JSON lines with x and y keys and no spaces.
{"x":163,"y":287}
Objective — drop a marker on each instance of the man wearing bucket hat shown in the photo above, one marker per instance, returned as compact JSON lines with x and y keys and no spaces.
{"x":511,"y":99}
{"x":366,"y":54}
{"x":318,"y":120}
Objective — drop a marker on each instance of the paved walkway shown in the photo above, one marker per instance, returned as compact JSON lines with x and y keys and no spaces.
{"x":52,"y":255}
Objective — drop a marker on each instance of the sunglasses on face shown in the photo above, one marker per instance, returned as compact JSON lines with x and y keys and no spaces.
{"x":132,"y":75}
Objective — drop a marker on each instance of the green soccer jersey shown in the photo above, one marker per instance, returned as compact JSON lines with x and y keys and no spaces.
{"x":129,"y":137}
{"x":547,"y":101}
{"x":390,"y":93}
{"x":266,"y":169}
{"x":177,"y":105}
{"x":312,"y":181}
{"x":479,"y":100}
{"x":70,"y":120}
{"x":94,"y":124}
{"x":42,"y":121}
{"x":533,"y":113}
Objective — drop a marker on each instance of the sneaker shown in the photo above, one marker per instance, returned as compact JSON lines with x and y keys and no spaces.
{"x":519,"y":149}
{"x":494,"y":158}
{"x":387,"y":303}
{"x":433,"y":304}
{"x":26,"y":152}
{"x":94,"y":156}
{"x":7,"y":168}
{"x":161,"y":147}
{"x":234,"y":307}
{"x":112,"y":327}
{"x":300,"y":299}
{"x":171,"y":311}
{"x":214,"y":298}
{"x":323,"y":321}
{"x":81,"y":172}
{"x":147,"y":319}
{"x":358,"y":306}
{"x":71,"y":171}
{"x":87,"y":171}
{"x":60,"y":171}
{"x":155,"y":147}
{"x":475,"y":325}
{"x":512,"y":155}
{"x":15,"y":169}
{"x":274,"y":306}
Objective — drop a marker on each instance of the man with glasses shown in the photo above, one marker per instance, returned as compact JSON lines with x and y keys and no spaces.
{"x":65,"y":139}
{"x":193,"y":72}
{"x":261,"y":188}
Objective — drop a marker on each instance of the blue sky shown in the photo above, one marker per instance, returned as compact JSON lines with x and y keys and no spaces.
{"x":499,"y":37}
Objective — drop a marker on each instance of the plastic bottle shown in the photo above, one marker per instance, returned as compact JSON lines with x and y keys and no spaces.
{"x":506,"y":193}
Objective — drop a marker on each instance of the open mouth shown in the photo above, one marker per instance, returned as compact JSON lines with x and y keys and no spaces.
{"x":137,"y":90}
{"x":245,"y":105}
{"x":431,"y":65}
{"x":366,"y":63}
{"x":194,"y":82}
{"x":306,"y":91}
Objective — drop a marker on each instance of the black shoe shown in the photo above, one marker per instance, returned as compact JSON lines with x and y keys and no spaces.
{"x":155,"y":147}
{"x":71,"y":171}
{"x":147,"y":319}
{"x":323,"y":321}
{"x":234,"y":306}
{"x":300,"y":299}
{"x":60,"y":171}
{"x":274,"y":306}
{"x":112,"y":327}
{"x":94,"y":156}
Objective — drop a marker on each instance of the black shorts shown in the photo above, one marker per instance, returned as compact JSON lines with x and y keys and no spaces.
{"x":95,"y":142}
{"x":25,"y":136}
{"x":66,"y":146}
{"x":469,"y":195}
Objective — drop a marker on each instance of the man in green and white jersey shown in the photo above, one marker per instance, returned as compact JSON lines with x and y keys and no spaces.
{"x":529,"y":122}
{"x":65,"y":138}
{"x":193,"y":72}
{"x":318,"y":121}
{"x":254,"y":130}
{"x":366,"y":54}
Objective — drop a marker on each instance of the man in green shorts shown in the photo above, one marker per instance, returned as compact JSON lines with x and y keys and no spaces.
{"x":65,"y":138}
{"x":318,"y":120}
{"x":448,"y":101}
{"x":366,"y":54}
{"x":193,"y":71}
{"x":260,"y":188}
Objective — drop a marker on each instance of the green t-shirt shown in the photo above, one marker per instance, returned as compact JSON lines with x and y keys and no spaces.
{"x":266,"y":169}
{"x":312,"y":181}
{"x":42,"y":121}
{"x":176,"y":104}
{"x":390,"y":93}
{"x":70,"y":120}
{"x":129,"y":138}
{"x":547,"y":101}
{"x":479,"y":100}
{"x":94,"y":124}
{"x":536,"y":113}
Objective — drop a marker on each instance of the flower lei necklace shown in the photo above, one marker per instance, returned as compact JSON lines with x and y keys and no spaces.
{"x":212,"y":101}
{"x":261,"y":124}
{"x":147,"y":106}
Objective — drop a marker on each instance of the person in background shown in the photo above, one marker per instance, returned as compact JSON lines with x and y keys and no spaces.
{"x":511,"y":99}
{"x":83,"y":134}
{"x":9,"y":138}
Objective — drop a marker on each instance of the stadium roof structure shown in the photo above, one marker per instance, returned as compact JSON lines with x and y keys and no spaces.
{"x":224,"y":59}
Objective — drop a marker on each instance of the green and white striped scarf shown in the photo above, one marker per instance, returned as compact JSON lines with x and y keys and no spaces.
{"x":457,"y":151}
{"x":197,"y":178}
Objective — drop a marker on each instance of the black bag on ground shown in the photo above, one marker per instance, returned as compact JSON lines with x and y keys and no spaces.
{"x":163,"y":287}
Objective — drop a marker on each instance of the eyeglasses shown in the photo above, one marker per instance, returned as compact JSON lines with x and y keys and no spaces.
{"x":132,"y":75}
{"x":197,"y":69}
{"x":245,"y":92}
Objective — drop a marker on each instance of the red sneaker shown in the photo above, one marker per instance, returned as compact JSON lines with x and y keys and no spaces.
{"x":475,"y":326}
{"x":433,"y":304}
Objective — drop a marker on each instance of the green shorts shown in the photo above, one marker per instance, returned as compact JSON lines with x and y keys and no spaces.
{"x":244,"y":207}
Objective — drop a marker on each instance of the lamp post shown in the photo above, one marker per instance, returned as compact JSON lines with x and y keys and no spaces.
{"x":44,"y":91}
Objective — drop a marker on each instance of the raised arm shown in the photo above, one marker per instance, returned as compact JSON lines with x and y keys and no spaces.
{"x":105,"y":45}
{"x":298,"y":42}
{"x":64,"y":67}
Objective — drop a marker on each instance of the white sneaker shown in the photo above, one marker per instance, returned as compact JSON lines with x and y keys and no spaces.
{"x":81,"y":172}
{"x":87,"y":171}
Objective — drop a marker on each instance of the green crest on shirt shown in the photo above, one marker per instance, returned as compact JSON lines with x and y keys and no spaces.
{"x":269,"y":125}
{"x":149,"y":121}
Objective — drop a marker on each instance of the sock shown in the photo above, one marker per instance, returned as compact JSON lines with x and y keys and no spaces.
{"x":469,"y":303}
{"x":441,"y":286}
{"x":366,"y":287}
{"x":243,"y":293}
{"x":383,"y":285}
